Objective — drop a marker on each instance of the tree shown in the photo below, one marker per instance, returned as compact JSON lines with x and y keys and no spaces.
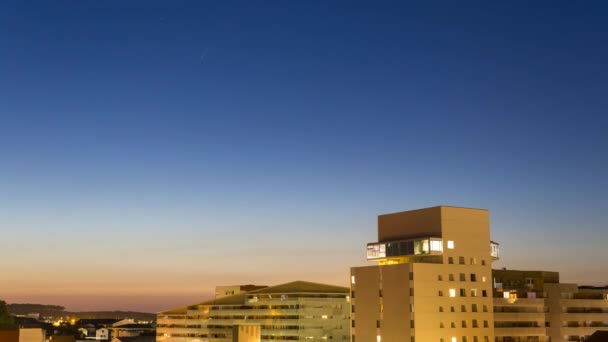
{"x":5,"y":316}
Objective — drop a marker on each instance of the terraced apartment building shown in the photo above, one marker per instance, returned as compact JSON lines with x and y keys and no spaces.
{"x":293,"y":311}
{"x":535,"y":306}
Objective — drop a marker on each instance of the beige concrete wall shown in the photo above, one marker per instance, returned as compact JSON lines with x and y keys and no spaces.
{"x":427,"y":303}
{"x":396,"y":302}
{"x":32,"y":335}
{"x":366,"y":302}
{"x":246,"y":333}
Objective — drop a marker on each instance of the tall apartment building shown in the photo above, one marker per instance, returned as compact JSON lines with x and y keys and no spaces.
{"x":432,"y":281}
{"x":293,"y":311}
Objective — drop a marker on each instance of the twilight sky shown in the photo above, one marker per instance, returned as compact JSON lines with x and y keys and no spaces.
{"x":152,"y":150}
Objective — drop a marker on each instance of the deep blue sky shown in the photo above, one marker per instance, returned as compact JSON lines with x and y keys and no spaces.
{"x":150,"y":151}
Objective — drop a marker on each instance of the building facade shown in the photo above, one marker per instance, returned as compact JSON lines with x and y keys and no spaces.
{"x":535,"y":306}
{"x":432,"y":281}
{"x":293,"y":311}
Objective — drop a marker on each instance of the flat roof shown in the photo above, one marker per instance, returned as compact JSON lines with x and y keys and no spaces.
{"x":434,"y":207}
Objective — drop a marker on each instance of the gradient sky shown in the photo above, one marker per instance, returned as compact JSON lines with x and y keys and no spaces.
{"x":152,"y":150}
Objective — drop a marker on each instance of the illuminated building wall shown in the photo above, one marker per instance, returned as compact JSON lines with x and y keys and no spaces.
{"x":432,"y":281}
{"x":293,"y":311}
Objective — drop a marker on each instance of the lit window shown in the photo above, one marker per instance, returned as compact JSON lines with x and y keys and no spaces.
{"x":452,"y":292}
{"x":378,"y":338}
{"x":451,"y":246}
{"x":324,"y":317}
{"x":505,"y":294}
{"x":352,"y":279}
{"x":483,"y":279}
{"x":454,"y":339}
{"x":436,"y":246}
{"x":473,"y":292}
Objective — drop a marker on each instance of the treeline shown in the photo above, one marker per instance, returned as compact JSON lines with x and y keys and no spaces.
{"x":143,"y":316}
{"x":43,"y":310}
{"x":59,"y":311}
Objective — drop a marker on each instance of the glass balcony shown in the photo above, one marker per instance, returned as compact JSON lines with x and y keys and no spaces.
{"x":494,"y":250}
{"x":422,"y":246}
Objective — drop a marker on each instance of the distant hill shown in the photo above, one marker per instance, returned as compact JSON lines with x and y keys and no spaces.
{"x":143,"y":316}
{"x":59,"y":311}
{"x":43,"y":310}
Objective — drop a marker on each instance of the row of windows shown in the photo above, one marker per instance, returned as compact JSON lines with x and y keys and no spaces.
{"x":453,"y":339}
{"x":463,"y":324}
{"x":462,"y":261}
{"x":463,"y":308}
{"x":192,"y":335}
{"x":463,"y":293}
{"x":462,"y":277}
